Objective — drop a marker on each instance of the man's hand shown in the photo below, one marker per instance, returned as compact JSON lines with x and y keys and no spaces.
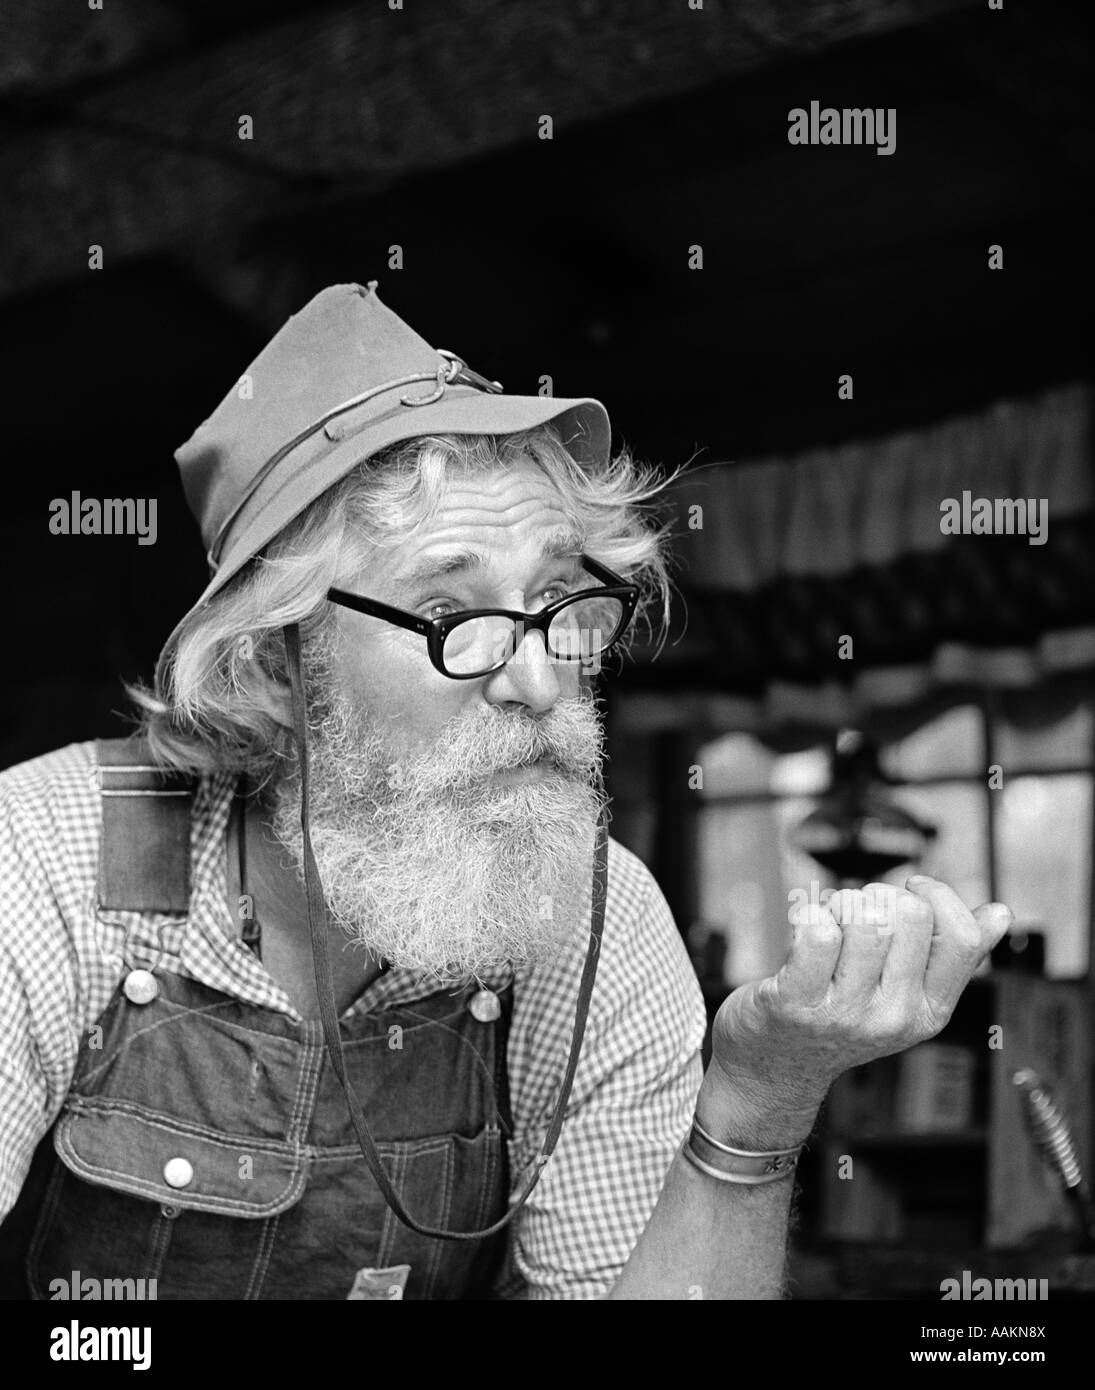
{"x":870,"y":973}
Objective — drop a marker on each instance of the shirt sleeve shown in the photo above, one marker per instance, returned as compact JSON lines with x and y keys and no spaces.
{"x":634,"y":1094}
{"x":38,"y":1012}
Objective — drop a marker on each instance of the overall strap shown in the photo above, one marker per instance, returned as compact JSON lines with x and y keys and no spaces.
{"x":144,"y":854}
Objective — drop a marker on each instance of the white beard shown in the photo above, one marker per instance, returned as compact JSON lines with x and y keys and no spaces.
{"x":431,"y":862}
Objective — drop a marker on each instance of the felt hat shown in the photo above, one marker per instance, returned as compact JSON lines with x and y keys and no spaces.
{"x":344,"y":378}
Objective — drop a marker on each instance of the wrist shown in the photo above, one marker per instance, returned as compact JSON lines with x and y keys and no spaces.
{"x":754,"y":1117}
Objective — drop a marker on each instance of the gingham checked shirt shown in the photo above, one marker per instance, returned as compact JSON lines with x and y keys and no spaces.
{"x":61,"y":959}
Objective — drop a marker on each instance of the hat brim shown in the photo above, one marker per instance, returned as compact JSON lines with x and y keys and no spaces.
{"x":316,"y":466}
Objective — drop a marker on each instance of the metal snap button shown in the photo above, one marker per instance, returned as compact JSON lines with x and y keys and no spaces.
{"x":485,"y":1006}
{"x":178,"y":1172}
{"x":140,"y":987}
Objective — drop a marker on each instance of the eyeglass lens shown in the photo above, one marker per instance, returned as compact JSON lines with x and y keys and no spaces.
{"x":577,"y":632}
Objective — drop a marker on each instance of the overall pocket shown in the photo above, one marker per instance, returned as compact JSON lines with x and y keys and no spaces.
{"x":140,"y":1196}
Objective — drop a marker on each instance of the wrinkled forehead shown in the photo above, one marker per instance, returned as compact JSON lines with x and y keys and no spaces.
{"x":498,"y":520}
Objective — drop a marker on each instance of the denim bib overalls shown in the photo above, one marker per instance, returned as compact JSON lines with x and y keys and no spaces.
{"x":206,"y":1144}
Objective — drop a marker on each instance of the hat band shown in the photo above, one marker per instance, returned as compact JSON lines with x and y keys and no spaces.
{"x":451,"y":371}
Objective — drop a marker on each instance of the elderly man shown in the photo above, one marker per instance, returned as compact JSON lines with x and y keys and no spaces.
{"x":331,"y":984}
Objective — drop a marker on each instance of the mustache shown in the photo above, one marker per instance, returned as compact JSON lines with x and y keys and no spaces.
{"x":361,"y":761}
{"x":568,"y":739}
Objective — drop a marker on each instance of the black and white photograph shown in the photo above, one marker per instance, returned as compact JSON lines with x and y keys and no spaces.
{"x":548,"y":731}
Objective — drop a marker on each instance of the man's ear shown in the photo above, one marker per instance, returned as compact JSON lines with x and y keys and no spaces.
{"x":272,"y":698}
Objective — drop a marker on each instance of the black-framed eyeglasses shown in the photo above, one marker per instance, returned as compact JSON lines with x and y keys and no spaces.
{"x":476,"y":641}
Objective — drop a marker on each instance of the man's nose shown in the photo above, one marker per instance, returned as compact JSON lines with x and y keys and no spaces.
{"x":530,"y":677}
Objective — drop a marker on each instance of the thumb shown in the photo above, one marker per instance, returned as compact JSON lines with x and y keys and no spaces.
{"x":993,"y":919}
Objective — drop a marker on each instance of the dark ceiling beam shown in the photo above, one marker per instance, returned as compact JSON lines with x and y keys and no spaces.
{"x":351,"y":99}
{"x":48,"y":45}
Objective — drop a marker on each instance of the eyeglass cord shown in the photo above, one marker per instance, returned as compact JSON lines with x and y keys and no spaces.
{"x":317,"y":915}
{"x":251,"y":930}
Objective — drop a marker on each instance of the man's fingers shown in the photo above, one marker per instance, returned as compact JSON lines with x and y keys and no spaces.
{"x":808,"y":971}
{"x":919,"y":945}
{"x":907,"y":959}
{"x":866,"y":918}
{"x":960,"y":941}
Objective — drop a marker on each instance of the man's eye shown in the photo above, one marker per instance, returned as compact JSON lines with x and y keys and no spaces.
{"x":554,"y":592}
{"x":438,"y":608}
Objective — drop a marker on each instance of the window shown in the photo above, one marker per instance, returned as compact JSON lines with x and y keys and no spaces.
{"x":1022,"y":833}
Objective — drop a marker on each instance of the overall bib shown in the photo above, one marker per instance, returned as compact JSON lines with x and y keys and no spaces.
{"x":206,"y":1144}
